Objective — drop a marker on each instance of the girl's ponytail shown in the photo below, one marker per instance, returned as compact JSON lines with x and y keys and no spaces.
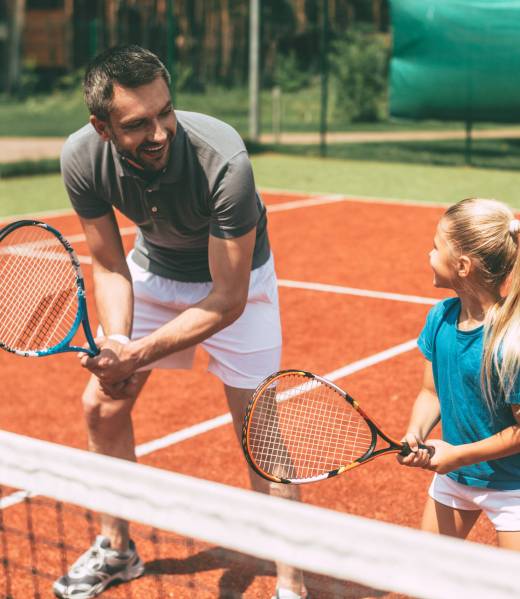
{"x":501,"y":360}
{"x":488,"y":232}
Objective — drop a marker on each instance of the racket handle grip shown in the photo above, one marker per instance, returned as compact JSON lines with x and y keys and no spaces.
{"x":407,"y":451}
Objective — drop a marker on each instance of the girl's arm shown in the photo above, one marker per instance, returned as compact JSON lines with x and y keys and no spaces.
{"x":425,"y":415}
{"x":450,"y":457}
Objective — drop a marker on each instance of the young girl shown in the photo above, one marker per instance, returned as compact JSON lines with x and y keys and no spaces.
{"x":472,"y":348}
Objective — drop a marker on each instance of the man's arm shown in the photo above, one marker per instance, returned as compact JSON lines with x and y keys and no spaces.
{"x":230,"y":266}
{"x":112,"y":281}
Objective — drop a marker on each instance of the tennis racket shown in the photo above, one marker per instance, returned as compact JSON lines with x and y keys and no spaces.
{"x":301,"y":428}
{"x":42,"y":292}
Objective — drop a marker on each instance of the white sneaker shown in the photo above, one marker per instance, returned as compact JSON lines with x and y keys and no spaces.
{"x":96,"y":569}
{"x":287,"y":594}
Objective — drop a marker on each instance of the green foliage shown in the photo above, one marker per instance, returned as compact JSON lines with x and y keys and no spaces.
{"x":359,"y":66}
{"x":70,"y":81}
{"x":29,"y":81}
{"x":186,"y":80}
{"x":288,"y":74}
{"x":29,"y":167}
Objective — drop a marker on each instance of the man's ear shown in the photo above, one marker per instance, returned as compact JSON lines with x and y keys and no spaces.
{"x":464,"y":266}
{"x":101,"y":127}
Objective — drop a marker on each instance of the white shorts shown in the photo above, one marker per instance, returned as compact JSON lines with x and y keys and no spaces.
{"x":242,"y":354}
{"x":501,"y":507}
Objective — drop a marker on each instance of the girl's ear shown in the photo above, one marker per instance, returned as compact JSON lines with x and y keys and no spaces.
{"x":464,"y":266}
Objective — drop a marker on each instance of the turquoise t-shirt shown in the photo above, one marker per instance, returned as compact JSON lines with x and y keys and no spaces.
{"x":456,"y":358}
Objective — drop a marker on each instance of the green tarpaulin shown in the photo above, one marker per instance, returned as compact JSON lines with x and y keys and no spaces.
{"x":455,"y":60}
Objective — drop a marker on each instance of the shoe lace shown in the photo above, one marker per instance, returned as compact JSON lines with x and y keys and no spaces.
{"x":91,"y":560}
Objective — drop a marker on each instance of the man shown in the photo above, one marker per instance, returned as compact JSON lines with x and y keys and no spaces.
{"x":201,"y":271}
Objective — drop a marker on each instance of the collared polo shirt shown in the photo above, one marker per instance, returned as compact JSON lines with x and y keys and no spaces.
{"x":207,"y":189}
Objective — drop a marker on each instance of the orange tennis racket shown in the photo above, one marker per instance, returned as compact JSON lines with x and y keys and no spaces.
{"x":301,"y":428}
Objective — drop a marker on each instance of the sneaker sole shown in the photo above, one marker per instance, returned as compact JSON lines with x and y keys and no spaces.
{"x":132,"y":574}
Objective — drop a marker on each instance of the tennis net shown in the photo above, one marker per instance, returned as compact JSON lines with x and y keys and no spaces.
{"x":206,"y":540}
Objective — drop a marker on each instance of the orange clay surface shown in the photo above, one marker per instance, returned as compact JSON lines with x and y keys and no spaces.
{"x":367,"y":246}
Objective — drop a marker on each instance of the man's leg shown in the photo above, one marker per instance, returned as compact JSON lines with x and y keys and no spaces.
{"x":113,"y":556}
{"x":110,"y":432}
{"x":288,"y":577}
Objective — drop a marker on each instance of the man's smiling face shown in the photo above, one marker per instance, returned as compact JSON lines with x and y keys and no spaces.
{"x":141,"y":124}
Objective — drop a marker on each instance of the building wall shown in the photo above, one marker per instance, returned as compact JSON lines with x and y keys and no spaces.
{"x":47,"y":34}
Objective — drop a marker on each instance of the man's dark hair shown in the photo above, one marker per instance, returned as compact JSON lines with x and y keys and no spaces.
{"x":128,"y":66}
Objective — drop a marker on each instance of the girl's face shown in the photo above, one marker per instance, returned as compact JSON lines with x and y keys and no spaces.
{"x":442,"y":261}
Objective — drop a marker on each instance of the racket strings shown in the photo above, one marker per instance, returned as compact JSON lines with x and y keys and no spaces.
{"x":302,"y":429}
{"x":33,"y":317}
{"x":48,"y":303}
{"x":46,"y":309}
{"x":38,"y":297}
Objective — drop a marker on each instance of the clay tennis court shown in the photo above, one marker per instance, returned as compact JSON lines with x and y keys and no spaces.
{"x":355,"y":287}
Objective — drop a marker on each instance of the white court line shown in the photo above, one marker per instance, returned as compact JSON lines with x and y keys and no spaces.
{"x":314,"y":198}
{"x":319,"y":201}
{"x":213,"y":423}
{"x":14,"y":498}
{"x":358,"y":198}
{"x":398,"y":297}
{"x":208,"y":425}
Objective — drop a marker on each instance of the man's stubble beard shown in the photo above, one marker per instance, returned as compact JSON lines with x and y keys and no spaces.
{"x":134,"y":158}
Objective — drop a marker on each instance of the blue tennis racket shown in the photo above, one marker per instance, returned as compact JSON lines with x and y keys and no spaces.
{"x":42,"y":292}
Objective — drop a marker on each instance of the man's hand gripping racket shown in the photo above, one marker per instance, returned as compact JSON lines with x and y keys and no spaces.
{"x":301,"y":428}
{"x":42,"y":292}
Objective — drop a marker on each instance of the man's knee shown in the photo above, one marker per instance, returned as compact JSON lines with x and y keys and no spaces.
{"x":101,"y":410}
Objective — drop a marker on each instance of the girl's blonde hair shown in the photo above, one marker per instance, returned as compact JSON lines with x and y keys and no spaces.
{"x":486,"y":231}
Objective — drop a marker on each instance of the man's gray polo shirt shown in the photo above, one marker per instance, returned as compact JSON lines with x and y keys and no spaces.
{"x":207,"y":189}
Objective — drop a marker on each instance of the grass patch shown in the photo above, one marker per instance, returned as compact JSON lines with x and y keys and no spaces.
{"x":414,"y":182}
{"x":485,"y":153}
{"x":60,"y":113}
{"x":29,"y":195}
{"x":57,"y":114}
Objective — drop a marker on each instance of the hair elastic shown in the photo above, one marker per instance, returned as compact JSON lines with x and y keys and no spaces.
{"x":514,"y":226}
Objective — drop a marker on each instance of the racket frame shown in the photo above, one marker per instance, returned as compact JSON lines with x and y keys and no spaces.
{"x":81,"y":315}
{"x":371,"y":453}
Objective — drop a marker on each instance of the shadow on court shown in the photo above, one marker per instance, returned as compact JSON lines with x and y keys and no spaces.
{"x":240,"y":571}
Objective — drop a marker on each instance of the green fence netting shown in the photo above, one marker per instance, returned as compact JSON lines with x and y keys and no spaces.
{"x":455,"y":60}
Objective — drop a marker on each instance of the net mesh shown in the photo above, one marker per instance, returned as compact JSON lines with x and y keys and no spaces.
{"x":206,"y":540}
{"x":301,"y":428}
{"x":38,"y":296}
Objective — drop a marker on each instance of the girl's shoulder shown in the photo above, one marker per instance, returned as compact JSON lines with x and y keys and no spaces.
{"x":443,"y":313}
{"x":443,"y":308}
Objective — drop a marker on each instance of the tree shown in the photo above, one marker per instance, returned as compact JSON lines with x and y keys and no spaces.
{"x":15,"y":20}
